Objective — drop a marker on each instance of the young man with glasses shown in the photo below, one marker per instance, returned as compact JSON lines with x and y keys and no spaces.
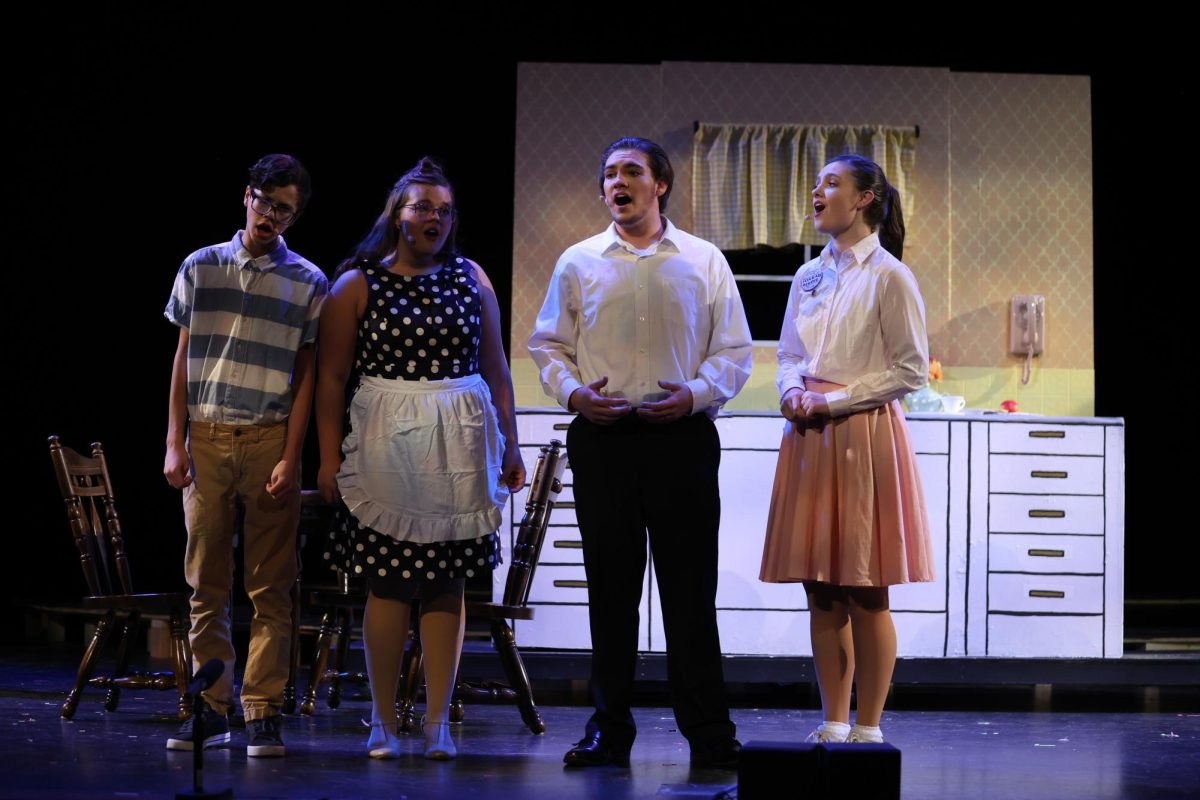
{"x":241,"y":390}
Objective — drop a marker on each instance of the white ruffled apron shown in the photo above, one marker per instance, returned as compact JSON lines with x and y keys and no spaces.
{"x":423,"y":459}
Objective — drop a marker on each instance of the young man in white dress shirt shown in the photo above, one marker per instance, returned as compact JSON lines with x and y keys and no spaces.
{"x":643,"y":334}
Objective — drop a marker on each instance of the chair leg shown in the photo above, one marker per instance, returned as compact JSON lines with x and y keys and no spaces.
{"x":129,"y":632}
{"x":345,"y":624}
{"x":289,"y":689}
{"x":181,"y":652}
{"x":458,"y":710}
{"x":410,"y":684}
{"x":87,"y":664}
{"x":518,"y":678}
{"x":320,"y":659}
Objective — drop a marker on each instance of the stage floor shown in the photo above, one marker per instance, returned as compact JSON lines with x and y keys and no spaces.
{"x":945,"y":754}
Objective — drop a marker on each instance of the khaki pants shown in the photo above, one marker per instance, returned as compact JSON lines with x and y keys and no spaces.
{"x":232,"y":463}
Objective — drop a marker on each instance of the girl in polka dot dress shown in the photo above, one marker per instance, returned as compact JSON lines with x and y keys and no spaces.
{"x":430,"y":452}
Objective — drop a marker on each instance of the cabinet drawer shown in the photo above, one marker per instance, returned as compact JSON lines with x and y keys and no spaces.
{"x":562,"y":546}
{"x":559,"y":584}
{"x":1045,"y":637}
{"x":1014,"y":513}
{"x":929,"y":436}
{"x":539,"y":428}
{"x":756,"y":433}
{"x":1046,"y":594}
{"x":1029,"y":474}
{"x":1045,"y":553}
{"x":1020,"y":437}
{"x":560,"y":627}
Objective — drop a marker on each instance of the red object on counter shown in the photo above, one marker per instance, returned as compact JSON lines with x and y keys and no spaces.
{"x":1009,"y":406}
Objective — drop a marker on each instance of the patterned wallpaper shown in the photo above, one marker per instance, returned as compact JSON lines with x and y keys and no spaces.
{"x":1021,"y":157}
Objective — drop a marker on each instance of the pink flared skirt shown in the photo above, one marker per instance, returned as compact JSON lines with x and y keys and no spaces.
{"x":847,"y":506}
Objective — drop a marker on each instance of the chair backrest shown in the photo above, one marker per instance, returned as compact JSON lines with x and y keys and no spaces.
{"x":544,"y":488}
{"x":92,"y":515}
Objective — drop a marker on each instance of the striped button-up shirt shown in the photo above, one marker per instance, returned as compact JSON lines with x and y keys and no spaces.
{"x":246,"y":319}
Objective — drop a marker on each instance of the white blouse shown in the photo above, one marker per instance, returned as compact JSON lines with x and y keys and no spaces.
{"x":857,"y":320}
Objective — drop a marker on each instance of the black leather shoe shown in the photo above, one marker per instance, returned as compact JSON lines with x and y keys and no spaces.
{"x":594,"y":750}
{"x":720,"y":754}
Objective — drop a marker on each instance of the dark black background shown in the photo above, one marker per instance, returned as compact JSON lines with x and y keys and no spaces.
{"x":130,"y":133}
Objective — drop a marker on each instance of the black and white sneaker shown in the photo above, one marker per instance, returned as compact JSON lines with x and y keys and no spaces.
{"x":265,"y":740}
{"x":216,"y":731}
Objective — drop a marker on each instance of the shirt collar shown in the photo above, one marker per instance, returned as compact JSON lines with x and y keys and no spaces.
{"x":267,"y":261}
{"x":669,"y":239}
{"x":857,"y":254}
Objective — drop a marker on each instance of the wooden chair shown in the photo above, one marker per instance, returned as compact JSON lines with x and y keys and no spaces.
{"x":91,"y":512}
{"x":544,"y":488}
{"x":338,"y":602}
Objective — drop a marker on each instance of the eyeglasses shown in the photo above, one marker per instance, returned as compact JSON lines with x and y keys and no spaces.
{"x":424,"y":209}
{"x":265,"y":208}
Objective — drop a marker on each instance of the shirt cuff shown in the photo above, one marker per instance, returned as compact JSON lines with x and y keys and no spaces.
{"x":564,"y":394}
{"x":787,"y":387}
{"x":839,"y":403}
{"x":701,"y":395}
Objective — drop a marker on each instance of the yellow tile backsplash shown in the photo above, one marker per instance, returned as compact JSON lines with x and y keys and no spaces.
{"x":1052,"y":392}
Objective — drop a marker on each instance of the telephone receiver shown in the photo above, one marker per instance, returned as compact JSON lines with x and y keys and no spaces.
{"x":1027,"y":330}
{"x":1027,"y":325}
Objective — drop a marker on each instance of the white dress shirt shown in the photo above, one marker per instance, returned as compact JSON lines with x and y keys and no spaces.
{"x":857,"y":320}
{"x":670,"y":312}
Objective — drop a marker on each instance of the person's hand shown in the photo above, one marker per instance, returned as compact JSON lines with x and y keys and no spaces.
{"x":790,"y":405}
{"x":512,"y":469}
{"x":814,"y":404}
{"x":676,"y":405}
{"x":327,"y":482}
{"x":283,"y":480}
{"x":177,"y":467}
{"x":594,"y":406}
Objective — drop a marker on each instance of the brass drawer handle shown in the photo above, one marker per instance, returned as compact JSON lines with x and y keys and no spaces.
{"x":564,"y":503}
{"x":569,"y":545}
{"x":1033,"y":551}
{"x":1047,"y":593}
{"x":1047,"y":434}
{"x":1046,"y":513}
{"x":1048,"y":473}
{"x":561,"y":426}
{"x":564,"y":584}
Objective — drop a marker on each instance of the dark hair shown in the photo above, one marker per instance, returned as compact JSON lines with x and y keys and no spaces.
{"x":277,"y":170}
{"x":884,"y":214}
{"x":660,"y":165}
{"x":384,"y":234}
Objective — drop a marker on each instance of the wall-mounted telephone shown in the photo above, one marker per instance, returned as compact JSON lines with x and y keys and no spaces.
{"x":1027,"y":329}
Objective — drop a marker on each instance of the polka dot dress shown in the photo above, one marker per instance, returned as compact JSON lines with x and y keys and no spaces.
{"x":417,"y":328}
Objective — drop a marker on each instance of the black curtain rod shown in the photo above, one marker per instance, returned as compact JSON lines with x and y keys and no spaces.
{"x":696,"y":127}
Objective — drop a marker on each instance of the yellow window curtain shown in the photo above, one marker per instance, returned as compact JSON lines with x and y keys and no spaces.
{"x":752,"y":184}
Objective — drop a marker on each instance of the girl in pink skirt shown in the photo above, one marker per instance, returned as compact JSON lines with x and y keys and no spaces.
{"x":847,"y":513}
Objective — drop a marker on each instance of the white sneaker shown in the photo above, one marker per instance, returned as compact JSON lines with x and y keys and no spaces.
{"x":865,"y":733}
{"x":829,"y":732}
